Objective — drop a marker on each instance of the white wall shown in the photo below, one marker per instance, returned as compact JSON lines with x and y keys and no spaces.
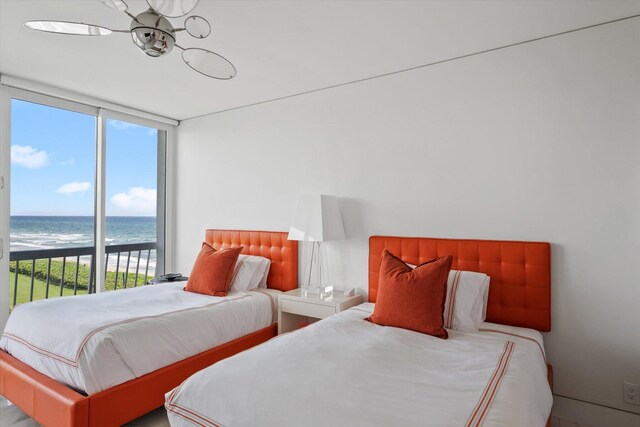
{"x":536,"y":142}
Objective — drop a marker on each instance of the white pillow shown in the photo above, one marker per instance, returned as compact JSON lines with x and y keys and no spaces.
{"x":469,"y":304}
{"x":263,"y":281}
{"x":465,"y":306}
{"x":250,"y":271}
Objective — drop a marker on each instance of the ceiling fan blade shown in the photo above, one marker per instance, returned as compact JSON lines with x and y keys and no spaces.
{"x":118,"y":5}
{"x":172,"y":8}
{"x":209,"y":63}
{"x":197,"y":26}
{"x":74,"y":28}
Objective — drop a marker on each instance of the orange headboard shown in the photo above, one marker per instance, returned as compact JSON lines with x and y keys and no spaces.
{"x":283,"y":253}
{"x":520,"y":289}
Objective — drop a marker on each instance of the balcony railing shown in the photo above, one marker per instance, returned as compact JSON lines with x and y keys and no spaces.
{"x":41,"y":274}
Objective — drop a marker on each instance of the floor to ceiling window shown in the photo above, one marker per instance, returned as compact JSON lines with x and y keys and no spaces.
{"x":87,"y":199}
{"x":52,"y":201}
{"x":134,"y":226}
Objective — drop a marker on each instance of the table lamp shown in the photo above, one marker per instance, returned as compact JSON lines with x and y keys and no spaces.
{"x":317,"y":219}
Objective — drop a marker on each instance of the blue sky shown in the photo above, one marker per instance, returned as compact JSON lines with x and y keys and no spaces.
{"x":53,"y":163}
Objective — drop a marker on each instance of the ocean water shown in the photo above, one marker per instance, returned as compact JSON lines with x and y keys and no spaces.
{"x":49,"y":232}
{"x":54,"y":232}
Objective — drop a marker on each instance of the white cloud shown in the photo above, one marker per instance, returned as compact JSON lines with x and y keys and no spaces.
{"x":28,"y":157}
{"x":136,"y":201}
{"x":74,"y":187}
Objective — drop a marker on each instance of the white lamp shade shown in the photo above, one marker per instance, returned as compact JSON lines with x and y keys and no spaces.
{"x":317,"y":219}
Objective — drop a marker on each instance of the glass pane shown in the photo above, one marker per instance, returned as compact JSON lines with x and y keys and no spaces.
{"x":118,"y":5}
{"x":173,"y":8}
{"x":132,"y":223}
{"x":209,"y":63}
{"x":197,"y":27}
{"x":52,"y":201}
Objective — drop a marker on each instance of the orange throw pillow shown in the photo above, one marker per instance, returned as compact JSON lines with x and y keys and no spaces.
{"x":412,"y":298}
{"x":213,"y":271}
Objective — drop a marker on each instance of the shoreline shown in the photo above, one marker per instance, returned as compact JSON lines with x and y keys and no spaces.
{"x":111,"y":266}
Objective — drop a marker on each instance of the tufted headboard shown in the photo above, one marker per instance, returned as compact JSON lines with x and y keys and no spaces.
{"x":520,"y":289}
{"x":283,"y":253}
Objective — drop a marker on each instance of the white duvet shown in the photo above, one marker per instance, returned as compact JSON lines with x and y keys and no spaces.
{"x":91,"y":343}
{"x":345,"y":371}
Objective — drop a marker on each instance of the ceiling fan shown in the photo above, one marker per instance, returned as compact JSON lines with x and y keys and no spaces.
{"x":154,"y":35}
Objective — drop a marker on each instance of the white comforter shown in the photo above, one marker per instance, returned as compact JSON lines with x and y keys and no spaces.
{"x":344,"y":371}
{"x":92,"y":343}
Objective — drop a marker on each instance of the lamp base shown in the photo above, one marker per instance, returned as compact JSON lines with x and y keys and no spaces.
{"x":325,"y":290}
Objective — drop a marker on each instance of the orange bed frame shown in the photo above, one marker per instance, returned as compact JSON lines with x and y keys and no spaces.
{"x":53,"y":404}
{"x":520,"y":291}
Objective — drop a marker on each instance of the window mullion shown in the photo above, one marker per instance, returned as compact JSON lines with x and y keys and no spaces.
{"x":100,"y":217}
{"x":5,"y":171}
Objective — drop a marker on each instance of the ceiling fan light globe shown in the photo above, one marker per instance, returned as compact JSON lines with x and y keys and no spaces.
{"x":152,"y":42}
{"x":153,"y":34}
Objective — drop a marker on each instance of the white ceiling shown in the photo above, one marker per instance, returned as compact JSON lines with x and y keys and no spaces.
{"x":280,"y":48}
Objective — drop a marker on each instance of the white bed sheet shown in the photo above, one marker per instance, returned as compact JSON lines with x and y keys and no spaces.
{"x":92,"y":343}
{"x":346,"y":371}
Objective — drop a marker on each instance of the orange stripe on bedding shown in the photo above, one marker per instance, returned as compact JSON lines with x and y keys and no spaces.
{"x":74,"y":362}
{"x":482,"y":407}
{"x":544,"y":356}
{"x":40,"y":350}
{"x":191,"y":415}
{"x":274,"y":304}
{"x":177,"y":412}
{"x":174,"y":408}
{"x":186,"y":417}
{"x":497,"y":384}
{"x":173,"y":393}
{"x":86,"y":339}
{"x":481,"y":402}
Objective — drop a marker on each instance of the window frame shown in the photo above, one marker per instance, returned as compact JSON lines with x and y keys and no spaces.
{"x":165,"y":216}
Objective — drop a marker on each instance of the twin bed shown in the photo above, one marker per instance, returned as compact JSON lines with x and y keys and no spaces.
{"x":347,"y":371}
{"x":340,"y":371}
{"x":115,"y":356}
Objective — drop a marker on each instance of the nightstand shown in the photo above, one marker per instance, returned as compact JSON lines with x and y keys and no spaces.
{"x":298,"y":306}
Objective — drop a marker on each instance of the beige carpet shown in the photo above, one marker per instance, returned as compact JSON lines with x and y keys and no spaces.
{"x":11,"y":416}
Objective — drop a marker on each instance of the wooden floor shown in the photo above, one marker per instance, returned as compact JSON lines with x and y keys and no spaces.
{"x":10,"y":416}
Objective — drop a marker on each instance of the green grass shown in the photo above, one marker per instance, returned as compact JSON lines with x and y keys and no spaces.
{"x":55,"y":276}
{"x":39,"y":289}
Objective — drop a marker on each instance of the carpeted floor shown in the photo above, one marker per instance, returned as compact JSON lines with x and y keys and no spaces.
{"x":11,"y":416}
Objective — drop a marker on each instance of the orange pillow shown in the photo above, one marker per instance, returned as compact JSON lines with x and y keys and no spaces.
{"x":412,"y":298}
{"x":213,"y":271}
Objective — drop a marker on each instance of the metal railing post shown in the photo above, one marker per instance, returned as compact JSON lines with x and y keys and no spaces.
{"x":33,"y":256}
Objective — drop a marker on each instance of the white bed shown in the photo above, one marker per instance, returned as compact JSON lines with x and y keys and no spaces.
{"x":346,"y":371}
{"x":91,"y":343}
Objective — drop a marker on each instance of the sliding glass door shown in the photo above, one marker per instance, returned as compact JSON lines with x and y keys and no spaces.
{"x":134,"y":188}
{"x":84,"y":192}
